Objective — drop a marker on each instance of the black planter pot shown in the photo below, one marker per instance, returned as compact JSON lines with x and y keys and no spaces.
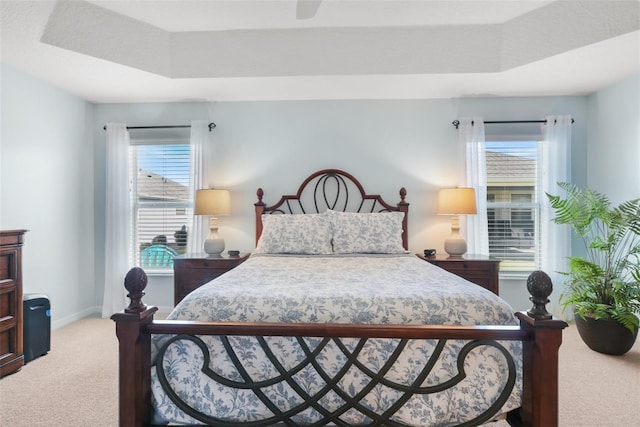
{"x":606,"y":336}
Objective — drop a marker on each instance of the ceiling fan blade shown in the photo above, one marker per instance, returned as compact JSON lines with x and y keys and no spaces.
{"x":307,"y":9}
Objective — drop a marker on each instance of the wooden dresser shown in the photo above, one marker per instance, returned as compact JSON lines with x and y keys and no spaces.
{"x":11,"y":357}
{"x":190,"y":271}
{"x":479,"y":269}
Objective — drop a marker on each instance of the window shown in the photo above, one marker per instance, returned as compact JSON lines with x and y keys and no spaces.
{"x":161,"y":213}
{"x":513,"y":203}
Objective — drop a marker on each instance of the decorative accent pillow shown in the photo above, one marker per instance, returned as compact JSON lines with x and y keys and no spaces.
{"x":295,"y":234}
{"x":373,"y":233}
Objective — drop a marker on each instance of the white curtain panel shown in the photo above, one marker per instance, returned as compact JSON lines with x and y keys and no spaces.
{"x":471,"y":137}
{"x":118,"y":206}
{"x":199,"y":138}
{"x":556,"y":238}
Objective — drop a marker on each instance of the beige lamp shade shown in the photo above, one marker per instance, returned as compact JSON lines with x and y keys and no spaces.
{"x":212,"y":202}
{"x":457,"y":201}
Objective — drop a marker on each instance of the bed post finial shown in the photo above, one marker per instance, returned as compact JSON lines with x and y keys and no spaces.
{"x":403,"y":206}
{"x":259,"y":206}
{"x":135,"y":281}
{"x":540,"y":287}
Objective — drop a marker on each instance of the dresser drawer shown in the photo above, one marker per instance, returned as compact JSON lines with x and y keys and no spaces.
{"x":11,"y":316}
{"x":224,"y":263}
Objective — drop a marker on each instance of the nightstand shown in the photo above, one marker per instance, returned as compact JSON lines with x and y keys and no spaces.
{"x":479,"y":269}
{"x":190,"y":271}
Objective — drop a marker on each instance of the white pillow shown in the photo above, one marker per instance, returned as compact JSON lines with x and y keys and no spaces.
{"x":295,"y":234}
{"x":373,"y":233}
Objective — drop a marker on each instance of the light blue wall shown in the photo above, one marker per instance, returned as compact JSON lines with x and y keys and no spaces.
{"x":53,"y":158}
{"x":46,"y":186}
{"x":614,"y":140}
{"x":275,"y":145}
{"x":386,"y":144}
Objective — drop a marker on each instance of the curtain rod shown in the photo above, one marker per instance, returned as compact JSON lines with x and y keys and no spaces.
{"x":456,"y":123}
{"x":211,"y":127}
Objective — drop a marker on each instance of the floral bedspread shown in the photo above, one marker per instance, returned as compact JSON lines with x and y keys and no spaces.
{"x":375,"y":289}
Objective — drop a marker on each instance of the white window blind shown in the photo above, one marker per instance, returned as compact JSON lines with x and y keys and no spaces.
{"x":161,"y":211}
{"x":513,"y":197}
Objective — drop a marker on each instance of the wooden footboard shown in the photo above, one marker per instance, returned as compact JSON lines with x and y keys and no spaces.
{"x":540,"y":334}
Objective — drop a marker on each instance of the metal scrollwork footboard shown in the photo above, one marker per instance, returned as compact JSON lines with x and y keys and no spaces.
{"x":315,"y":401}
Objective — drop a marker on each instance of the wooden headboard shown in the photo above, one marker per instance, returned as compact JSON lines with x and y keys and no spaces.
{"x":331,"y":189}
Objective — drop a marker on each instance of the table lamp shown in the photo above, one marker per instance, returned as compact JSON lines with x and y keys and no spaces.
{"x":213,"y":202}
{"x":456,"y":202}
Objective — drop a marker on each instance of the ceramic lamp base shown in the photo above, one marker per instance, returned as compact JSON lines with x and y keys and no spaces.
{"x":214,"y":246}
{"x":455,"y":247}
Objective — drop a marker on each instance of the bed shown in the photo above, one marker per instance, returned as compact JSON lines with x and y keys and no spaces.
{"x":331,"y":321}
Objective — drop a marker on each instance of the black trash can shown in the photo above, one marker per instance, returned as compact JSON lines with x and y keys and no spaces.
{"x":36,"y":330}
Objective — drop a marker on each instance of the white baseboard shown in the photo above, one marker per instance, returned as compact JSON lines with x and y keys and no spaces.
{"x":96,"y":311}
{"x":89,"y":312}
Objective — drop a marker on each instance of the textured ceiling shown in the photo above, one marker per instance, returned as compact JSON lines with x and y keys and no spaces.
{"x":144,"y":51}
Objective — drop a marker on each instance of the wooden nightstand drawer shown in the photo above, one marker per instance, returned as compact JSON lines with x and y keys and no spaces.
{"x":223,"y":263}
{"x":479,"y":269}
{"x":190,"y":271}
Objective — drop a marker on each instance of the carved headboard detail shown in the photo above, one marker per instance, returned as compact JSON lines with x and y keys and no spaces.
{"x":331,"y":189}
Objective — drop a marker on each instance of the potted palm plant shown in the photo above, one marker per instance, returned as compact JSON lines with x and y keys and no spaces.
{"x":604,"y":286}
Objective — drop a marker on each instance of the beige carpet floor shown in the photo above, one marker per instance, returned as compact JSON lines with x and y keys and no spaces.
{"x":75,"y":385}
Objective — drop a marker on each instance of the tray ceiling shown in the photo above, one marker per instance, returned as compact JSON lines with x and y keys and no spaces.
{"x":144,"y":51}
